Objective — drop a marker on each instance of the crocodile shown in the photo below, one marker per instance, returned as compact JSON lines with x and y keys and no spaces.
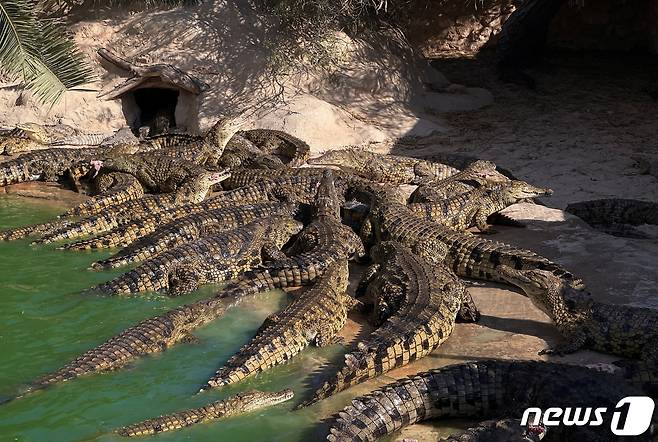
{"x":485,"y":389}
{"x":46,"y":165}
{"x":28,"y":137}
{"x":468,"y":255}
{"x":231,"y":406}
{"x":474,"y":175}
{"x":152,"y":335}
{"x":304,"y":191}
{"x":216,"y":258}
{"x":191,"y":227}
{"x":194,"y":191}
{"x":205,"y":151}
{"x":316,"y":315}
{"x":622,"y":330}
{"x":156,"y":334}
{"x":415,"y":302}
{"x":503,"y":430}
{"x":472,"y":209}
{"x":157,"y":173}
{"x":391,"y":169}
{"x":241,"y":177}
{"x":293,"y":151}
{"x":616,"y":216}
{"x":112,"y":189}
{"x":242,"y":153}
{"x":323,"y":241}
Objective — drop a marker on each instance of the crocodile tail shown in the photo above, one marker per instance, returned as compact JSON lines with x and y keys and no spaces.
{"x":354,"y":371}
{"x":162,"y":424}
{"x":87,"y":226}
{"x":25,"y":231}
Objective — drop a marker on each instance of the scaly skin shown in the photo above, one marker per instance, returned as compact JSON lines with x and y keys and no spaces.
{"x":472,"y":209}
{"x":304,"y":188}
{"x":484,"y":389}
{"x":128,"y":211}
{"x":504,"y":430}
{"x":417,"y":302}
{"x":323,"y":242}
{"x":152,"y":335}
{"x":479,"y":172}
{"x":390,"y":169}
{"x":206,"y":260}
{"x":206,"y":150}
{"x":231,"y":406}
{"x":192,"y":227}
{"x":158,"y":333}
{"x":157,"y":173}
{"x":242,"y":153}
{"x":316,"y":315}
{"x":279,"y":143}
{"x":112,"y":189}
{"x":622,"y":330}
{"x":468,"y":255}
{"x":45,"y":165}
{"x":616,"y":215}
{"x":243,"y":177}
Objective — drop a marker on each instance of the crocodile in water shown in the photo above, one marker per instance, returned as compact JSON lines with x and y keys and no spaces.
{"x":231,"y":406}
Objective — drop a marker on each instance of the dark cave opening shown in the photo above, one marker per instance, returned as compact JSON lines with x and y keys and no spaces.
{"x":156,"y":109}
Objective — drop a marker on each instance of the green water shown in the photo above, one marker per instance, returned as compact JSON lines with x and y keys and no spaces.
{"x":45,"y":322}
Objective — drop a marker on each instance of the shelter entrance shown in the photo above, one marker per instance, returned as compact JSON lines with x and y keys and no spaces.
{"x":156,"y":109}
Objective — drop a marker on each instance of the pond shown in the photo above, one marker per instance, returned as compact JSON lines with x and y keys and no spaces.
{"x":46,"y":322}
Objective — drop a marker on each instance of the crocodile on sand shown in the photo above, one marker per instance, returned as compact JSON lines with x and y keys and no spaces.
{"x":316,"y":315}
{"x":390,"y":169}
{"x":622,"y":330}
{"x":476,"y":174}
{"x":617,"y":216}
{"x":157,"y":173}
{"x":234,"y":405}
{"x":484,"y":390}
{"x":415,"y":302}
{"x":206,"y":260}
{"x":473,"y":208}
{"x":323,"y":241}
{"x":467,"y":255}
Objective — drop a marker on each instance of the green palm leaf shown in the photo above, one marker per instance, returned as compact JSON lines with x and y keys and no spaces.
{"x":38,"y":51}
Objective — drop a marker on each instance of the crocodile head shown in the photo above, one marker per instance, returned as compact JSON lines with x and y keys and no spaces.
{"x":254,"y":399}
{"x":197,"y":190}
{"x":35,"y":132}
{"x":350,"y":158}
{"x":281,"y":228}
{"x":327,"y":201}
{"x":222,"y":131}
{"x":484,"y":171}
{"x":548,"y":292}
{"x":520,"y":190}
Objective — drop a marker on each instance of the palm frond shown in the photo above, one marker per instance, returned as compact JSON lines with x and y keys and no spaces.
{"x":60,"y":66}
{"x":18,"y":37}
{"x":38,"y":51}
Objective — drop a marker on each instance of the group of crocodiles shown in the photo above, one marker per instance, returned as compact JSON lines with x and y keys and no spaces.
{"x":228,"y":206}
